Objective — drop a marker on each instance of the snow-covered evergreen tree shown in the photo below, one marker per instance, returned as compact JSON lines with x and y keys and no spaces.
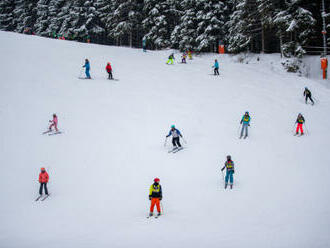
{"x":25,"y":15}
{"x":295,"y":25}
{"x":6,"y":15}
{"x":238,"y":39}
{"x":156,"y":23}
{"x":42,"y":21}
{"x":211,"y":20}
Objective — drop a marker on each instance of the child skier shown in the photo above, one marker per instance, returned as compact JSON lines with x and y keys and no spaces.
{"x":229,"y":165}
{"x":155,"y":196}
{"x":300,"y":121}
{"x":53,"y":123}
{"x":170,"y":59}
{"x":189,"y":55}
{"x":216,"y":67}
{"x":246,"y":123}
{"x":176,"y":134}
{"x":184,"y":56}
{"x":308,"y":94}
{"x":43,"y":180}
{"x":87,"y":68}
{"x":108,"y":68}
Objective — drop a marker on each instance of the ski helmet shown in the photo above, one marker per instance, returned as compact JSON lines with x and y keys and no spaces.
{"x":247,"y":112}
{"x":156,"y":180}
{"x":173,"y":126}
{"x":42,"y":169}
{"x":229,"y":157}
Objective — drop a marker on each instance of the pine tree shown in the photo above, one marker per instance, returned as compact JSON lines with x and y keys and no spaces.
{"x":6,"y":15}
{"x":42,"y":21}
{"x":25,"y":14}
{"x":210,"y":28}
{"x":295,"y":25}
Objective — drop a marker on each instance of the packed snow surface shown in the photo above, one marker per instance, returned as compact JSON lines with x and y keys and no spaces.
{"x":112,"y":146}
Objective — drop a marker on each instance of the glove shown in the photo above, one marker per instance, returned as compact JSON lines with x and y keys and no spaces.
{"x":149,"y":198}
{"x":160,"y":198}
{"x":222,"y":169}
{"x":249,"y":124}
{"x":233,"y":172}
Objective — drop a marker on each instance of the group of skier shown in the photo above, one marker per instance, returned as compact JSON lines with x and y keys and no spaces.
{"x":87,"y":67}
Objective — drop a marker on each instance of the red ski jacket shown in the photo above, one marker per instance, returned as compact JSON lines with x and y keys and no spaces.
{"x":108,"y":68}
{"x":43,"y":177}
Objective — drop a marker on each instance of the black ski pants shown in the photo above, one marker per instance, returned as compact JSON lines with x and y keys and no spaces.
{"x":176,"y":141}
{"x":309,"y":97}
{"x":43,"y":185}
{"x":110,"y":74}
{"x":216,"y":71}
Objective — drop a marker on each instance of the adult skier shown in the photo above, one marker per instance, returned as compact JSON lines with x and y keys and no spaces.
{"x":108,"y":68}
{"x":216,"y":67}
{"x":43,"y":180}
{"x":176,"y":134}
{"x":229,"y":166}
{"x":87,"y":68}
{"x":300,"y":121}
{"x":155,"y":196}
{"x":170,"y":59}
{"x":53,"y":123}
{"x":308,"y":95}
{"x":245,"y":121}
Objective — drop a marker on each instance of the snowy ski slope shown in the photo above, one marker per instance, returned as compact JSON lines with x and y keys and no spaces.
{"x":103,"y":164}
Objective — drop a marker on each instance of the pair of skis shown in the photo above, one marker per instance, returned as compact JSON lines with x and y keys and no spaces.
{"x":42,"y":197}
{"x":175,"y":150}
{"x":50,"y":132}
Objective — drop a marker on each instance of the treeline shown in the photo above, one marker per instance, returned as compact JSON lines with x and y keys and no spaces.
{"x":288,"y":26}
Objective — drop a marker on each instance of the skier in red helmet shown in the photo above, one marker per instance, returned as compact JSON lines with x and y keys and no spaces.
{"x":108,"y":68}
{"x":155,"y":196}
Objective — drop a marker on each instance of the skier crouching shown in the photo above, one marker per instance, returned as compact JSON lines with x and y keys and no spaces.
{"x":176,"y":134}
{"x":300,"y":121}
{"x":155,"y":196}
{"x":43,"y":180}
{"x":229,"y":165}
{"x":53,"y":123}
{"x":308,"y":95}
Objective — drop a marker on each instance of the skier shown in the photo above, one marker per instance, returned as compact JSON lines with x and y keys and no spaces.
{"x":300,"y":121}
{"x":144,"y":44}
{"x":53,"y":123}
{"x":87,"y":68}
{"x":170,"y":59}
{"x":175,"y":137}
{"x":229,"y":165}
{"x":216,"y":67}
{"x":155,"y":196}
{"x":246,"y":123}
{"x":184,"y":56}
{"x":308,"y":94}
{"x":43,"y":180}
{"x":109,"y":70}
{"x":189,"y":55}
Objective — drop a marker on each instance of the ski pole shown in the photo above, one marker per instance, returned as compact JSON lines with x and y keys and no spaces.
{"x":306,"y":128}
{"x":223,"y":178}
{"x":161,"y":206}
{"x":81,"y":71}
{"x":165,"y":143}
{"x":293,"y":127}
{"x":184,"y":140}
{"x":239,"y":127}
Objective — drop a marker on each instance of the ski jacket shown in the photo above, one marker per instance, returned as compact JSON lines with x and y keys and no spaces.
{"x":87,"y":66}
{"x":307,"y":93}
{"x":108,"y":68}
{"x":43,"y":177}
{"x":54,"y":120}
{"x":229,"y":165}
{"x":300,"y":120}
{"x":216,"y":65}
{"x":155,"y":191}
{"x":175,"y":133}
{"x":246,"y":119}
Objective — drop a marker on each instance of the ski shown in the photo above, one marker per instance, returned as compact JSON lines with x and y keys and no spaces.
{"x":114,"y":79}
{"x":179,"y":149}
{"x":84,"y":78}
{"x":45,"y":197}
{"x":38,"y":198}
{"x":48,"y":131}
{"x":59,"y":132}
{"x":175,"y":148}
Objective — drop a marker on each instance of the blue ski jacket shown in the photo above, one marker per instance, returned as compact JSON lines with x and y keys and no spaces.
{"x":175,"y":133}
{"x":216,"y":65}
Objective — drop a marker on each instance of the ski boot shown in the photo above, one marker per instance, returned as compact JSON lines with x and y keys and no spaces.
{"x":226,"y":185}
{"x":231,"y":186}
{"x":159,"y":214}
{"x":245,"y":136}
{"x":151,"y":214}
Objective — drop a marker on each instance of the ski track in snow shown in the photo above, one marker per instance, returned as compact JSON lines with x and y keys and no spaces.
{"x":103,"y":163}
